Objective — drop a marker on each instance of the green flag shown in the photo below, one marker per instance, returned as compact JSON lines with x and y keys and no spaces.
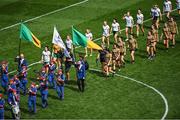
{"x":79,"y":38}
{"x":27,"y":35}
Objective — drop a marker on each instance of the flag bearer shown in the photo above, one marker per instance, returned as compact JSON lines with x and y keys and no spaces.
{"x":22,"y":62}
{"x":81,"y":74}
{"x":68,"y":62}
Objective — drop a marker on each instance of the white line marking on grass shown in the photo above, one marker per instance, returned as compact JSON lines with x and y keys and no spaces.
{"x":144,"y":84}
{"x":35,"y":63}
{"x":43,"y":15}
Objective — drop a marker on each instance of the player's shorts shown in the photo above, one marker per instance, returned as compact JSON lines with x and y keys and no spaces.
{"x":151,"y":45}
{"x":121,"y":53}
{"x":178,"y":6}
{"x":129,"y":27}
{"x":110,"y":65}
{"x":67,"y":66}
{"x":173,"y":31}
{"x":69,"y":49}
{"x":156,"y":18}
{"x":140,"y":24}
{"x":102,"y":60}
{"x":167,"y":10}
{"x":60,"y":55}
{"x":55,"y":55}
{"x":115,"y":32}
{"x":131,"y":50}
{"x":106,"y":35}
{"x":46,"y":64}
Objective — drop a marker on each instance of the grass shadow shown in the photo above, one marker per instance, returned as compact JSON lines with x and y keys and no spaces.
{"x":100,"y":74}
{"x":160,"y":48}
{"x":177,"y":42}
{"x":72,"y":88}
{"x":38,"y":104}
{"x":72,"y":82}
{"x":127,"y":61}
{"x":141,"y":55}
{"x":53,"y":96}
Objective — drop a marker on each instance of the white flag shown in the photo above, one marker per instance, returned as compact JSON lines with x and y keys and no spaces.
{"x":58,"y":41}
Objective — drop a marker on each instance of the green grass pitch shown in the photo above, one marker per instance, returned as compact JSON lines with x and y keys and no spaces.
{"x":104,"y":98}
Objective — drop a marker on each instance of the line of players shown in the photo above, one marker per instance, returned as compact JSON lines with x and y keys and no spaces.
{"x":112,"y":59}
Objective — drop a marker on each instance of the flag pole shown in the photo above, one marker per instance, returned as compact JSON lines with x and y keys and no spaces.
{"x":52,"y":45}
{"x":74,"y":48}
{"x":19,"y":51}
{"x":19,"y":47}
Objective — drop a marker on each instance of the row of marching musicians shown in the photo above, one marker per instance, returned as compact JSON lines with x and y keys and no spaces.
{"x":54,"y":78}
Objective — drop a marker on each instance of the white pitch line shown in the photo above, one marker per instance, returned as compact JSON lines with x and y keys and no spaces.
{"x":28,"y":66}
{"x":43,"y":15}
{"x":144,"y":84}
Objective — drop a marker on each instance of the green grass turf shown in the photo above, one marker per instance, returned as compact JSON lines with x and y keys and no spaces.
{"x":112,"y":97}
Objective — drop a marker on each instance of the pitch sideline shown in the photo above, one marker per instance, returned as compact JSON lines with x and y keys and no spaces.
{"x":146,"y":85}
